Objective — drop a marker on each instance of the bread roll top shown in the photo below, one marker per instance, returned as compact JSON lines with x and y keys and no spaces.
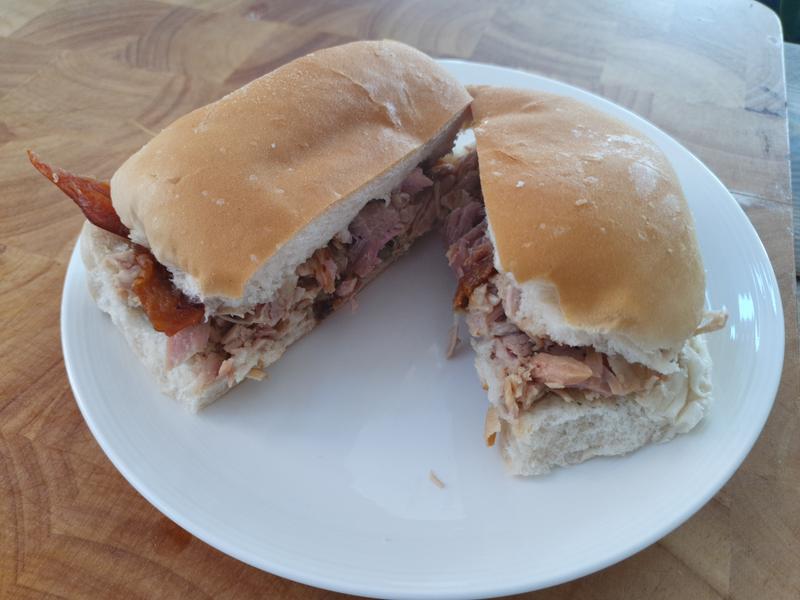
{"x":220,"y":191}
{"x":582,"y":201}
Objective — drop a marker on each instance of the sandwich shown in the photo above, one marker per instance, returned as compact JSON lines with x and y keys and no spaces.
{"x":580,"y":278}
{"x":244,"y":223}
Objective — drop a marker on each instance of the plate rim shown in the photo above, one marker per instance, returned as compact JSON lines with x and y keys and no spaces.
{"x":498,"y":588}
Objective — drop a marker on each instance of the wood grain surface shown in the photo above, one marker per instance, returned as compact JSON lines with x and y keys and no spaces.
{"x":86,"y":82}
{"x":791,"y":54}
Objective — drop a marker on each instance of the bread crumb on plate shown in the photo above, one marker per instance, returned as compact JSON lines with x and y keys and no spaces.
{"x":435,"y":480}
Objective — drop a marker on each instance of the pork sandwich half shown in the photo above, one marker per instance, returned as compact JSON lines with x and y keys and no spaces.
{"x":581,"y":279}
{"x":244,"y":223}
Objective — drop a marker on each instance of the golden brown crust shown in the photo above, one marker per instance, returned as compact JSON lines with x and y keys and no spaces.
{"x":216,"y":193}
{"x":579,"y":199}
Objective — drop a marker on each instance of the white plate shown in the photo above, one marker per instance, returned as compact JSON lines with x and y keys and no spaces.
{"x":320,"y":474}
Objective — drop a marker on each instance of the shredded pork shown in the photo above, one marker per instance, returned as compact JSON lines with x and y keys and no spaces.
{"x":529,"y":367}
{"x":228,"y":345}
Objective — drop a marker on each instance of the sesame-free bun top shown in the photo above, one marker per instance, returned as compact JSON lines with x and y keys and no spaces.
{"x":582,"y":204}
{"x":219,"y":193}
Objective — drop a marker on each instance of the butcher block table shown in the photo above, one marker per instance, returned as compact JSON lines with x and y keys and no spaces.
{"x":87,"y":82}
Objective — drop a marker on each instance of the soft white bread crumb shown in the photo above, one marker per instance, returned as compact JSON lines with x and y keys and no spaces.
{"x":556,"y":433}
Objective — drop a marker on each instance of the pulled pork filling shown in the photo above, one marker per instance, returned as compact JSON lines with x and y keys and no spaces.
{"x":529,"y":368}
{"x":228,"y":344}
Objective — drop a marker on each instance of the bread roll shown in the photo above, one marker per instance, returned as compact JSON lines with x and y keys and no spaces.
{"x":232,"y":197}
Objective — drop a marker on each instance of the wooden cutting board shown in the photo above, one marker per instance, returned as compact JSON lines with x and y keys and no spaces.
{"x":87,"y":82}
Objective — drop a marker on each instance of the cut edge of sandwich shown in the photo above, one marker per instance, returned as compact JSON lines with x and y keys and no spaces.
{"x":557,"y":433}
